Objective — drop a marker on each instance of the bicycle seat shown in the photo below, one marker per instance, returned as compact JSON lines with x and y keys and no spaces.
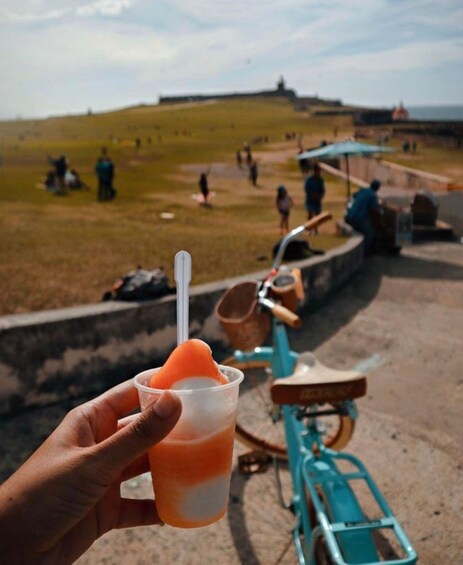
{"x":314,"y":383}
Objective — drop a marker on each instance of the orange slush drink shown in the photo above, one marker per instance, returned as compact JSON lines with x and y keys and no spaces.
{"x":191,"y":467}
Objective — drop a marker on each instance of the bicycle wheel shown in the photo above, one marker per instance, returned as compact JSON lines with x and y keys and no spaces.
{"x":321,"y":553}
{"x":255,"y":426}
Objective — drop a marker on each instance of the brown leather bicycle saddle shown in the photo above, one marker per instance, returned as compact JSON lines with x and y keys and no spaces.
{"x":314,"y":383}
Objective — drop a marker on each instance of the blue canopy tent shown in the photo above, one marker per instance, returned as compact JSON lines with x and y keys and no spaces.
{"x":346,"y":149}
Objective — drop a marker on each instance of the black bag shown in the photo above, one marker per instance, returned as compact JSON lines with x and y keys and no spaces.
{"x":140,"y":284}
{"x":297,"y":250}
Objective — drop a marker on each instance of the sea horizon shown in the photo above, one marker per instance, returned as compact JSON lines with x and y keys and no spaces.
{"x":453,"y":112}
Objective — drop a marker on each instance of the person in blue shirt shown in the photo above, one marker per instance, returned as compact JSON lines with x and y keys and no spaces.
{"x":358,"y":215}
{"x":314,"y":188}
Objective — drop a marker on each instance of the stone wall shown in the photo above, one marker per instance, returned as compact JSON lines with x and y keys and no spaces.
{"x":50,"y":356}
{"x":394,"y":175}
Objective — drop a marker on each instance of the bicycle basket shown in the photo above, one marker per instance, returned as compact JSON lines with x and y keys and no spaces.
{"x":237,"y":311}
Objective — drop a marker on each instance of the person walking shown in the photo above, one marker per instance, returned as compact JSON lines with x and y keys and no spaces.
{"x":314,"y":188}
{"x":284,"y":203}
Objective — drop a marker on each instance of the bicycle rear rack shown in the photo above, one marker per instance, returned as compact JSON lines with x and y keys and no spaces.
{"x":339,"y":517}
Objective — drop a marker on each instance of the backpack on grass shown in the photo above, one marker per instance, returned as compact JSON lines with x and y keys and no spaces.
{"x":141,"y":284}
{"x":297,"y":250}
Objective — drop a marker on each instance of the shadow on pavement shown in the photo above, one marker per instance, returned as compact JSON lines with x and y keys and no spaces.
{"x":322,"y":323}
{"x":21,"y":435}
{"x":237,"y":520}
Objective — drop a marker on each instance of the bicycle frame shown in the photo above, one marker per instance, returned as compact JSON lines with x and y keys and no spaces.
{"x":337,"y":515}
{"x":339,"y":519}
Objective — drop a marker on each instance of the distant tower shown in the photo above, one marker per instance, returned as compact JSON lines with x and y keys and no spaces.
{"x":281,"y":86}
{"x":400,"y":113}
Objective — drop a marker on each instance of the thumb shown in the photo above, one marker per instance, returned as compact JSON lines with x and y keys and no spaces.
{"x":149,"y":428}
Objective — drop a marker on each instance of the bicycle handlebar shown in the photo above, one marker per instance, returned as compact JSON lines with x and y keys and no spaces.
{"x":310,"y":225}
{"x":278,"y":310}
{"x":282,"y":313}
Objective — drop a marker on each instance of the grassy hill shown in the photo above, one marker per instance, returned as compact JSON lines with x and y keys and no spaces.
{"x":60,"y":251}
{"x":66,"y":250}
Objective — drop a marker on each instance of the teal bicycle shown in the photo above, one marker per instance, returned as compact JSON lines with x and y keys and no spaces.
{"x":296,"y":411}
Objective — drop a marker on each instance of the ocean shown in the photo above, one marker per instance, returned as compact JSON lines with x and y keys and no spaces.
{"x":436,"y":112}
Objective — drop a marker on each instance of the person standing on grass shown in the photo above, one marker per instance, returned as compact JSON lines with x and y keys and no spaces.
{"x":204,"y":187}
{"x":284,"y":203}
{"x":253,"y":172}
{"x":303,"y":164}
{"x":111,"y":190}
{"x":314,"y":188}
{"x":105,"y":172}
{"x":100,"y":171}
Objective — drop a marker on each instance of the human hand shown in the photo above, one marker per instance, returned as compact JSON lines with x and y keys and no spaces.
{"x":67,"y":494}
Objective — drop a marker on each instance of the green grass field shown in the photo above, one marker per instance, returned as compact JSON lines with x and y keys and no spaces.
{"x":67,"y":250}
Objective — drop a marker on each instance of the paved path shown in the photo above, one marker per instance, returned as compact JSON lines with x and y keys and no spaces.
{"x":403,"y":315}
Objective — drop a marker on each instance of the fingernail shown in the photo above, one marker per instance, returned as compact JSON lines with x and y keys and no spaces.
{"x":165,"y":405}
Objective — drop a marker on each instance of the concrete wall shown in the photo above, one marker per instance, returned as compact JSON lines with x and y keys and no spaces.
{"x":51,"y":356}
{"x":394,"y":175}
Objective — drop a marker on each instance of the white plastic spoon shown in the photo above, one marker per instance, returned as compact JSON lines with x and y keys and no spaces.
{"x":182,"y":275}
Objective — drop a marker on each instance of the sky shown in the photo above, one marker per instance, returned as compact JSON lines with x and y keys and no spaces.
{"x":66,"y":56}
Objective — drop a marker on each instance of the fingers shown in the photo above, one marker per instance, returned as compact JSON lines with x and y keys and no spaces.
{"x":121,"y":399}
{"x":134,"y":512}
{"x":133,"y":440}
{"x":138,"y":467}
{"x":125,"y":421}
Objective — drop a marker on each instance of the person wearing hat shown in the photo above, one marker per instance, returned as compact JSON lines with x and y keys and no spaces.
{"x":284,"y":203}
{"x":358,"y":215}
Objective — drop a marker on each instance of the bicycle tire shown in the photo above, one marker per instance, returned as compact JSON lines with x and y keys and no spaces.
{"x":254,"y":425}
{"x":322,"y":554}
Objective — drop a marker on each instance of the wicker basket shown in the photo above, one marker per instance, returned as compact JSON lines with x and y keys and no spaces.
{"x":245,"y":327}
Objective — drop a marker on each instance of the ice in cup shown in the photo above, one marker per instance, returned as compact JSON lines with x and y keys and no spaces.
{"x":191,"y":467}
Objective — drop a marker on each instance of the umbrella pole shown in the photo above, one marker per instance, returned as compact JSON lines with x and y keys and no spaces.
{"x":348,"y":177}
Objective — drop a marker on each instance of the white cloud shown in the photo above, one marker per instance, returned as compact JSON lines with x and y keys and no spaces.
{"x":121,"y":51}
{"x":104,"y":7}
{"x":42,"y":10}
{"x":12,"y":16}
{"x":413,"y":56}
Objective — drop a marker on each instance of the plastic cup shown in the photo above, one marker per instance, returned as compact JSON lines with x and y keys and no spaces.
{"x":191,"y":467}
